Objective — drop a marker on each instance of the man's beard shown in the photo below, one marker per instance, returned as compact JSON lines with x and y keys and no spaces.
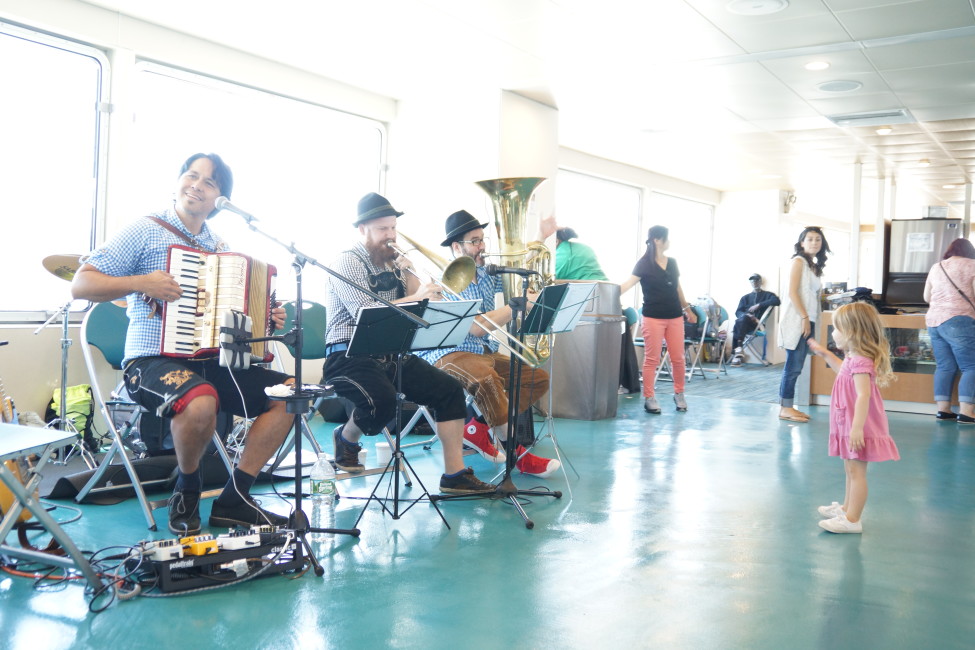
{"x":380,"y":252}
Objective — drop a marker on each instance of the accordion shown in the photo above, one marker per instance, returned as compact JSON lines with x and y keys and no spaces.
{"x":213,"y":285}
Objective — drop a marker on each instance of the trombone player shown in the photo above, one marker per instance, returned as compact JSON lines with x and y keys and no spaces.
{"x":367,"y":382}
{"x":478,"y":365}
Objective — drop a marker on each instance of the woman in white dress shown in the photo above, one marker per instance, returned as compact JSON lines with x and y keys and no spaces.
{"x":800,"y":313}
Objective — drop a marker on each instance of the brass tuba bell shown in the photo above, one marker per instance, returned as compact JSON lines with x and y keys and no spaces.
{"x":510,"y":198}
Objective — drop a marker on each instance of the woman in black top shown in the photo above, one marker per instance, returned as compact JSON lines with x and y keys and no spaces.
{"x":663,"y":309}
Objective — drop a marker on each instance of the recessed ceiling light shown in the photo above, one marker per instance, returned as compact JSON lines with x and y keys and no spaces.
{"x":884,"y":130}
{"x":756,"y":7}
{"x":816,"y":65}
{"x":839,"y":86}
{"x":924,"y":162}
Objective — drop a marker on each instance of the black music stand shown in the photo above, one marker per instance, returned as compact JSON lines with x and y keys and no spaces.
{"x":562,"y":310}
{"x":519,"y":327}
{"x":382,"y":331}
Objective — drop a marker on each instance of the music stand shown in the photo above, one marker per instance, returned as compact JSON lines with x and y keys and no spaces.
{"x":562,"y":310}
{"x":381,"y":331}
{"x":520,"y":326}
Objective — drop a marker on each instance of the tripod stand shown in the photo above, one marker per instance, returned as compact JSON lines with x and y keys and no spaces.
{"x":62,"y":423}
{"x":381,"y":331}
{"x":567,"y":307}
{"x":506,"y":489}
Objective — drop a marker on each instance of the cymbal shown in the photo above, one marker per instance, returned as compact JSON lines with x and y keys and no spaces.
{"x":63,"y":266}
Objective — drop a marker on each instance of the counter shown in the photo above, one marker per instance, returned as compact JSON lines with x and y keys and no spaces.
{"x":911,"y":358}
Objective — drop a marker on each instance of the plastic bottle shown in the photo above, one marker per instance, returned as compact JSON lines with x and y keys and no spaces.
{"x":322,"y":480}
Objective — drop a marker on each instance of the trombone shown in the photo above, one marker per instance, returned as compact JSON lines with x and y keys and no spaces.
{"x":457,"y":276}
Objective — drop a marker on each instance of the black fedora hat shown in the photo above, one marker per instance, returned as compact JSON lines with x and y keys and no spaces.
{"x":457,"y":224}
{"x":373,"y":206}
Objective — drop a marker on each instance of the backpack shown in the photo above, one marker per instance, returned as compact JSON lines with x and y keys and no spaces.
{"x":79,"y":410}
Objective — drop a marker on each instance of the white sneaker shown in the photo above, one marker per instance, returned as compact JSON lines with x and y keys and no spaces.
{"x":832,"y":510}
{"x":680,"y":402}
{"x":650,"y":405}
{"x":840,"y":524}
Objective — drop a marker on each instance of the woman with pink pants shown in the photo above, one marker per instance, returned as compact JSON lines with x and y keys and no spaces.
{"x":664,"y":308}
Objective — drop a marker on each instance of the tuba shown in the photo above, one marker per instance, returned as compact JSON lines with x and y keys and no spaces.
{"x":510,"y":198}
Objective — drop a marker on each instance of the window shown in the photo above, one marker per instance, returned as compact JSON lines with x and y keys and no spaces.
{"x":691,"y":225}
{"x":51,"y":134}
{"x":606,"y":215}
{"x":299,"y":168}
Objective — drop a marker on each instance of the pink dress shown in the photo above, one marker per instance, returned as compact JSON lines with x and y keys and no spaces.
{"x":877,"y":443}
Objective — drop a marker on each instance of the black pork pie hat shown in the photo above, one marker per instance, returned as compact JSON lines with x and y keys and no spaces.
{"x":373,"y":206}
{"x":457,"y":224}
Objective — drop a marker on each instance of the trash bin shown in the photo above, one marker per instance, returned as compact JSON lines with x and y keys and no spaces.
{"x":585,"y":363}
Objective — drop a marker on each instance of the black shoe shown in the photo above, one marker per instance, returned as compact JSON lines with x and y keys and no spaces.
{"x":244,"y":513}
{"x":964,"y":419}
{"x":184,"y":513}
{"x":346,"y":453}
{"x":464,"y":483}
{"x":946,"y":415}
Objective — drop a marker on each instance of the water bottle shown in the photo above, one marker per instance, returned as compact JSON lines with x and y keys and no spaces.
{"x":322,"y":480}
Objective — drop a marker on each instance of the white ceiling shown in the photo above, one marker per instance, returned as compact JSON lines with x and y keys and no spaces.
{"x":685,"y":88}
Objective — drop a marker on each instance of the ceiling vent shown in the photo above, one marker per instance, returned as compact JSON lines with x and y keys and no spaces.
{"x":874,"y":118}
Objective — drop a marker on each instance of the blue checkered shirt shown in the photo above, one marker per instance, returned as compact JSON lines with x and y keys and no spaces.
{"x":343,"y":303}
{"x":483,"y":288}
{"x":139,"y":249}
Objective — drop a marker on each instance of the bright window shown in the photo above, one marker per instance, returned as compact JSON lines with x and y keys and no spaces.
{"x":299,"y":168}
{"x":691,"y":224}
{"x":606,"y":216}
{"x":50,"y":129}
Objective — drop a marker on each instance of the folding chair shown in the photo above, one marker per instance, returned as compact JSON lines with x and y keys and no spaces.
{"x":749,"y":342}
{"x":104,"y":328}
{"x":698,"y":345}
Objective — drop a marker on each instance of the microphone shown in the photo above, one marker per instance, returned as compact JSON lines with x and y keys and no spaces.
{"x":494,"y":269}
{"x":223,"y":203}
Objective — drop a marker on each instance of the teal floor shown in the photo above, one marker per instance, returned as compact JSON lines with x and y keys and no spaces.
{"x":694,"y":530}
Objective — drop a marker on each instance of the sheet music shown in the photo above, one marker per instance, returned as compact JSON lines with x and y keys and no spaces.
{"x":450,"y":323}
{"x":573,"y":305}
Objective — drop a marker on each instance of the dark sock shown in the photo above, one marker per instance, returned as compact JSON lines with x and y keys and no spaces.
{"x":238,"y":487}
{"x":455,"y":474}
{"x":189,"y":482}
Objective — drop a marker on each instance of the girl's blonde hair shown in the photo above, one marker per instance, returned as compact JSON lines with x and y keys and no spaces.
{"x":860,"y":323}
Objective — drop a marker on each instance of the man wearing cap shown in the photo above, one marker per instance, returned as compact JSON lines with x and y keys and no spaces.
{"x":367,"y":382}
{"x":476,"y":362}
{"x":751,"y":306}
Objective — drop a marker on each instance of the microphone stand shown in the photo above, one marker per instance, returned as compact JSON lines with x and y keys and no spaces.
{"x":299,"y":403}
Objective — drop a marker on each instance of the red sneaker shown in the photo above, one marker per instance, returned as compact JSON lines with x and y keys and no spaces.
{"x":536,"y":465}
{"x":476,"y":437}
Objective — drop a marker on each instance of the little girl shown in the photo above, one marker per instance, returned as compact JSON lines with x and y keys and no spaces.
{"x":858,"y":431}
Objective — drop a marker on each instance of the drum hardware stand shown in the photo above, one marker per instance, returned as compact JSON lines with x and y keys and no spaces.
{"x":62,"y":423}
{"x":506,"y":489}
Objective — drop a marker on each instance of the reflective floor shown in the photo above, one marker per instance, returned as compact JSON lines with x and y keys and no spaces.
{"x":694,"y":530}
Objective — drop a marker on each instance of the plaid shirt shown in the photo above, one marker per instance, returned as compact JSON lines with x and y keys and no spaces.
{"x":483,"y":288}
{"x":139,"y":249}
{"x":343,"y":302}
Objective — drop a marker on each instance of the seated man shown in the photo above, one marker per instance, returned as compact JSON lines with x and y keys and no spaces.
{"x":190,"y":391}
{"x":367,"y":382}
{"x":478,"y":365}
{"x":750,"y":308}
